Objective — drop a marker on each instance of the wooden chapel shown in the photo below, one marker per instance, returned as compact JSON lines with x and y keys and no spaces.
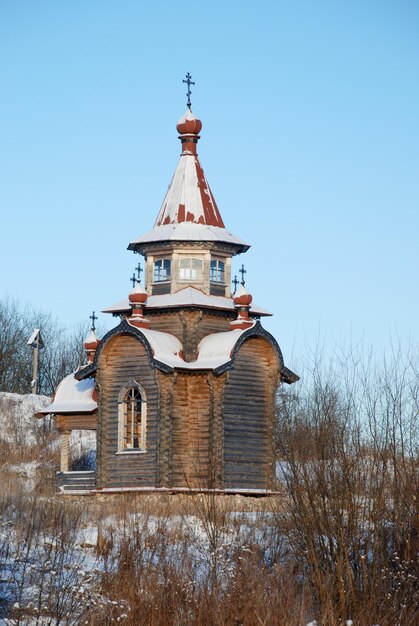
{"x":181,"y":393}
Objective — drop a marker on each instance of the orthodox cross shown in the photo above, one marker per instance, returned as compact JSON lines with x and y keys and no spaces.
{"x":189,"y":82}
{"x":93,"y":317}
{"x":235,"y":283}
{"x":133,"y":280}
{"x":242,"y":271}
{"x":139,"y":270}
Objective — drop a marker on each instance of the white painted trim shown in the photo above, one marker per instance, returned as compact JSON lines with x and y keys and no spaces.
{"x":128,"y":452}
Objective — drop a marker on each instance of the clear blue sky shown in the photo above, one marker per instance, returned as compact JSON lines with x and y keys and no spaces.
{"x":310,"y":144}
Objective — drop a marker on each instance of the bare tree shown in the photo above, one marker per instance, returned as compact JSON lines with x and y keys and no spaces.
{"x":62,"y":354}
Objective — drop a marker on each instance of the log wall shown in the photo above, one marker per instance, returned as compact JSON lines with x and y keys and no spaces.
{"x":124,"y":359}
{"x":190,"y":431}
{"x":249,"y":410}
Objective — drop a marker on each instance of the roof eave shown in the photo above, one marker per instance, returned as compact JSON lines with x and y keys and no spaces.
{"x":142,"y":247}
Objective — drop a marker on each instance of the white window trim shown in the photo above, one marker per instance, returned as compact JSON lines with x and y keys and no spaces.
{"x":131,"y":384}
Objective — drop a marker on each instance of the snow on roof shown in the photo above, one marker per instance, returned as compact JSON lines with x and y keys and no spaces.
{"x":72,"y":396}
{"x":189,"y":197}
{"x":189,"y":231}
{"x":189,"y":296}
{"x":166,"y":347}
{"x":216,"y":349}
{"x":36,"y":338}
{"x":213,"y":351}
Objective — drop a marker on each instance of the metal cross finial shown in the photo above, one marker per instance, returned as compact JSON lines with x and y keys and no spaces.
{"x":189,"y":82}
{"x":133,"y":280}
{"x":93,"y":317}
{"x":242,"y":272}
{"x":235,"y":283}
{"x":139,"y":270}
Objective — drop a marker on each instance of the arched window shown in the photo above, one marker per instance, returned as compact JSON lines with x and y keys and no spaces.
{"x":132,"y":418}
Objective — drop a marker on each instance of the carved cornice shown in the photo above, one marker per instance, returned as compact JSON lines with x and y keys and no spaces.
{"x":150,"y":247}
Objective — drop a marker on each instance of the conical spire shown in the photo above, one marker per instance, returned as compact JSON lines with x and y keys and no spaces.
{"x":189,"y":197}
{"x":189,"y":211}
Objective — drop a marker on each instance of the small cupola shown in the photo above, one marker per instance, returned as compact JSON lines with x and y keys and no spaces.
{"x":189,"y":128}
{"x":91,"y":343}
{"x":137,"y":298}
{"x":242,"y":301}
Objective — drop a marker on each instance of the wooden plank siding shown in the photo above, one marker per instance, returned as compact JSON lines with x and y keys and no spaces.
{"x":191,"y":410}
{"x":123,"y":359}
{"x":248,"y":410}
{"x":76,"y":422}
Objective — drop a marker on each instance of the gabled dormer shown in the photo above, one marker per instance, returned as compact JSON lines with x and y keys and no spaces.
{"x":189,"y":244}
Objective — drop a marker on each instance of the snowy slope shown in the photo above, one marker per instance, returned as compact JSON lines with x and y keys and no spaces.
{"x":17,"y":422}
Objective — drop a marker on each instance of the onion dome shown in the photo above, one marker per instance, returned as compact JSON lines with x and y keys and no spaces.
{"x":189,"y":124}
{"x":91,"y":342}
{"x":241,"y":297}
{"x":137,"y":296}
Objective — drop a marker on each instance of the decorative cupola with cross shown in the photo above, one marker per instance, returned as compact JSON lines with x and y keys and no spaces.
{"x":189,"y":244}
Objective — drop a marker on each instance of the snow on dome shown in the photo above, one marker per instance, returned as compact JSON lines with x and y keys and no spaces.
{"x":242,"y":297}
{"x":241,"y":291}
{"x":189,"y":124}
{"x":138,"y":295}
{"x":91,"y":341}
{"x":72,"y":396}
{"x":138,"y":289}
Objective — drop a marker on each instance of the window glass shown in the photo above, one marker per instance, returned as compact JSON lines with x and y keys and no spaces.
{"x":162,"y":270}
{"x":132,"y":434}
{"x":190,"y":269}
{"x":217,"y":271}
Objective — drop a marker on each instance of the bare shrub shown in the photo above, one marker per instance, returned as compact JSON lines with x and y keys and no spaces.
{"x":352,"y":486}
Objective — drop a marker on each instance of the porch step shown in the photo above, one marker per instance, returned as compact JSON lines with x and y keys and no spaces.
{"x":76,"y":481}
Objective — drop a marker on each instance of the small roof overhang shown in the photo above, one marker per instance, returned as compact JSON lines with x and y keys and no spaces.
{"x":73,"y":397}
{"x":187,"y":297}
{"x":189,"y":232}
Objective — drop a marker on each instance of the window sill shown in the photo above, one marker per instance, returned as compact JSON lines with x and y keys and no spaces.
{"x":129,"y":452}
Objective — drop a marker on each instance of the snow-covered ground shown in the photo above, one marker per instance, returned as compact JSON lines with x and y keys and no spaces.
{"x":18,"y":424}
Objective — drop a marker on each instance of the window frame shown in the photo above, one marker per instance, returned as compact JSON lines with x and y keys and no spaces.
{"x":190,"y":278}
{"x":123,"y":403}
{"x":167,"y":276}
{"x":217,"y":270}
